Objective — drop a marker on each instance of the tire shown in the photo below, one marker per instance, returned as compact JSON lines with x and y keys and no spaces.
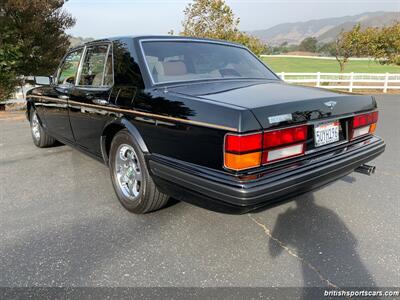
{"x":130,"y":177}
{"x":40,"y":138}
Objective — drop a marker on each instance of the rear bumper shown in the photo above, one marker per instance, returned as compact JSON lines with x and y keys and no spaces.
{"x":224,"y":192}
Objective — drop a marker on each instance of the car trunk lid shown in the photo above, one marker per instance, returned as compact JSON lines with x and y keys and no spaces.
{"x":275,"y":103}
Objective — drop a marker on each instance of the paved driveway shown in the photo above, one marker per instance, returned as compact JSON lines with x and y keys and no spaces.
{"x":61,"y":225}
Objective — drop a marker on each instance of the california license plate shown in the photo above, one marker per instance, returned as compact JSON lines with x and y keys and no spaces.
{"x":326,"y":133}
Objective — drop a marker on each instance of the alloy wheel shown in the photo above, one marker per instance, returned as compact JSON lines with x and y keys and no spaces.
{"x":35,"y":126}
{"x":128,"y":172}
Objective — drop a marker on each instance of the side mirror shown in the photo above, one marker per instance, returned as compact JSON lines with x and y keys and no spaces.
{"x":43,"y":80}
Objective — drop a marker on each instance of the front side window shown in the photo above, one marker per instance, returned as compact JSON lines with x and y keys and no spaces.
{"x":174,"y":61}
{"x":69,"y":67}
{"x":95,"y":66}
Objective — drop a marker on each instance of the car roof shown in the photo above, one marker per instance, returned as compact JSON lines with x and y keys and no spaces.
{"x":156,"y":37}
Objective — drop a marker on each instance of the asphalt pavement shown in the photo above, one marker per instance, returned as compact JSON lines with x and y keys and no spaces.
{"x":62,"y":225}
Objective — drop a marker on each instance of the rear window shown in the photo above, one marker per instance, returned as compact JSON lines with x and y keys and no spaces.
{"x":176,"y":61}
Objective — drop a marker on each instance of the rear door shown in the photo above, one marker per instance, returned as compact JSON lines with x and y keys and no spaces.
{"x":55,"y":97}
{"x":89,"y":98}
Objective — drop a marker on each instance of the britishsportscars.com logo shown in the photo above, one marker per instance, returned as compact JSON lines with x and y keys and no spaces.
{"x":361,"y":293}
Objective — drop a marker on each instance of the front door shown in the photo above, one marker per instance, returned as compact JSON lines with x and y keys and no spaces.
{"x":89,"y":97}
{"x":55,"y":97}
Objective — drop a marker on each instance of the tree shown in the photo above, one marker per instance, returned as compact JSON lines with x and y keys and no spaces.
{"x":328,"y":49}
{"x":215,"y":19}
{"x":32,"y":39}
{"x":10,"y":54}
{"x":348,"y":44}
{"x":308,"y":44}
{"x":383,"y":43}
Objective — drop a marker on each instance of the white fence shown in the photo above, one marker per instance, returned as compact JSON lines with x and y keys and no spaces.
{"x":345,"y":81}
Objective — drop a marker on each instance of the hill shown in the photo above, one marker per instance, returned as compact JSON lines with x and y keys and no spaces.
{"x":325,"y":30}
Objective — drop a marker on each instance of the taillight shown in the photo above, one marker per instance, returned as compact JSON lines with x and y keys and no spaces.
{"x":284,"y":136}
{"x":243,"y":151}
{"x":253,"y":150}
{"x":284,"y":143}
{"x":363,"y":124}
{"x":243,"y":143}
{"x":242,"y":161}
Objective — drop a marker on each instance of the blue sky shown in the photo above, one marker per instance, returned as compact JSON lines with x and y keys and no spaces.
{"x":103,"y":18}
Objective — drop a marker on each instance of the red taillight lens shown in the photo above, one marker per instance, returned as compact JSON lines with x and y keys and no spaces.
{"x":365,"y":119}
{"x":243,"y":143}
{"x":360,"y":121}
{"x":252,"y":150}
{"x":364,"y":124}
{"x":284,"y":136}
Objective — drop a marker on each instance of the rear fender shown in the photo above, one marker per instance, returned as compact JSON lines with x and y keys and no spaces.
{"x":29,"y":106}
{"x":112,"y":128}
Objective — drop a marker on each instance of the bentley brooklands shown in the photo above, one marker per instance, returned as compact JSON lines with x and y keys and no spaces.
{"x":202,"y":121}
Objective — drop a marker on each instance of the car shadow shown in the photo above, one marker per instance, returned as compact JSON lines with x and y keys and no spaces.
{"x":171,"y":202}
{"x":349,"y":179}
{"x":57,"y":144}
{"x":325,"y":246}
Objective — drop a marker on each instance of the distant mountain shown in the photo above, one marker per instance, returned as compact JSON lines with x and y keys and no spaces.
{"x":77,"y":40}
{"x":324,"y":30}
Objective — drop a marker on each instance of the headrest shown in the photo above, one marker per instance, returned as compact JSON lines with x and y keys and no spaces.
{"x":174,"y":68}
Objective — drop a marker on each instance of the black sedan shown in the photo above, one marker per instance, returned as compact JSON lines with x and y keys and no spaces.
{"x":203,"y":121}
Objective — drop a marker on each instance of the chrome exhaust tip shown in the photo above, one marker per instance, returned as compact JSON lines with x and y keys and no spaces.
{"x":366,"y":169}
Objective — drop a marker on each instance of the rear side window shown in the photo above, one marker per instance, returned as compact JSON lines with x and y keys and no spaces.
{"x":96,"y":67}
{"x":69,"y":68}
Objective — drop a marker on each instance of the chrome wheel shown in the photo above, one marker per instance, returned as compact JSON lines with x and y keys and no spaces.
{"x":35,"y":126}
{"x":128,"y":171}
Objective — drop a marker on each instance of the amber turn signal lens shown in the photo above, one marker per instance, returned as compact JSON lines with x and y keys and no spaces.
{"x":372,"y":128}
{"x":242,"y":161}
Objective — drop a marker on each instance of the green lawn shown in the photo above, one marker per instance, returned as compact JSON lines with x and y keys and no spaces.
{"x":294,"y":64}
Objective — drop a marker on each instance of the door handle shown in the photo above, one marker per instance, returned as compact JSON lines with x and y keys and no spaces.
{"x":100,"y":101}
{"x":63,"y":97}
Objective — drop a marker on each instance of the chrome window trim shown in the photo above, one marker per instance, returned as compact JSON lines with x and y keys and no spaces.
{"x":79,"y":73}
{"x":105,"y":64}
{"x":109,"y":45}
{"x":141,"y":41}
